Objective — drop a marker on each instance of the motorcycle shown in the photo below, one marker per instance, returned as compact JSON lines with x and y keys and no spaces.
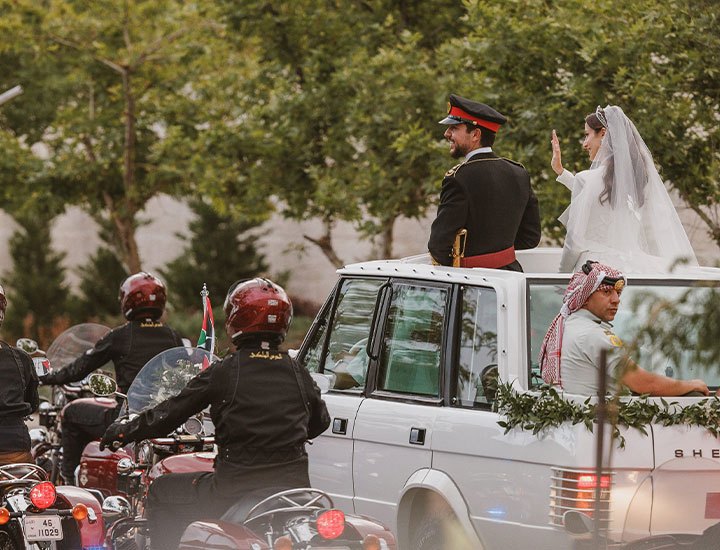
{"x":46,"y":441}
{"x":37,"y":515}
{"x":300,"y":519}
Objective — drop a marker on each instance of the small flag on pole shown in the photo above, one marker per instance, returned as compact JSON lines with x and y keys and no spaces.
{"x":206,"y":340}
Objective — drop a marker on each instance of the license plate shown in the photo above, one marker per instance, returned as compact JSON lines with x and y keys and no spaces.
{"x":42,"y":528}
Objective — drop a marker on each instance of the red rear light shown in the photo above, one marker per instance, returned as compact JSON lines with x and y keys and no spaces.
{"x":43,"y":495}
{"x":331,"y":524}
{"x":575,"y":490}
{"x":589,"y":481}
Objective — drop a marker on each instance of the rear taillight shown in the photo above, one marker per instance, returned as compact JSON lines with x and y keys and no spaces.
{"x":331,"y":524}
{"x":43,"y":495}
{"x":575,"y":490}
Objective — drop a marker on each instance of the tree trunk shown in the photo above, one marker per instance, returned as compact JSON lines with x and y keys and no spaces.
{"x":326,"y":246}
{"x":387,"y":237}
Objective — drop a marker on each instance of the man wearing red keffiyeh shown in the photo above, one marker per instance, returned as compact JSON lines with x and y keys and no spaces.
{"x":570,"y":353}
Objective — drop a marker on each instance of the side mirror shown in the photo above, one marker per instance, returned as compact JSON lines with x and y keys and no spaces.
{"x":28,"y":345}
{"x":322,"y":381}
{"x":102,"y":385}
{"x":115,"y":508}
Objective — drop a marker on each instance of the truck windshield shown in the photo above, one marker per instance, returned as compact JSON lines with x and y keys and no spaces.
{"x":672,"y":330}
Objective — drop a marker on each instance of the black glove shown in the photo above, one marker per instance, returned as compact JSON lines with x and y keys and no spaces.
{"x":116,"y":432}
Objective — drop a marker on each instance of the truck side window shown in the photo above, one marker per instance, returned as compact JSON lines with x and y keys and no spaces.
{"x":346,"y":359}
{"x":477,"y":359}
{"x":412,"y":342}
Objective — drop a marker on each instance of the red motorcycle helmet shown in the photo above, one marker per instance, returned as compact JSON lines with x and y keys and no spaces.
{"x":3,"y":304}
{"x":257,"y":306}
{"x":142,"y":294}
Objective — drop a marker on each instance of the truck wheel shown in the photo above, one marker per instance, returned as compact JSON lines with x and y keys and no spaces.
{"x":440,"y":530}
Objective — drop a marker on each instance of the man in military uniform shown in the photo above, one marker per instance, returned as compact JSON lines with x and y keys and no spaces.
{"x":142,"y":301}
{"x":264,"y":406}
{"x":488,"y":196}
{"x":571,"y":351}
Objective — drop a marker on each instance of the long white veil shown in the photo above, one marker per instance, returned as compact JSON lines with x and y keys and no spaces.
{"x":620,"y":212}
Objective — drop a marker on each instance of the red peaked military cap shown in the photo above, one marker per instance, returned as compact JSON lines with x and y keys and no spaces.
{"x":461,"y":110}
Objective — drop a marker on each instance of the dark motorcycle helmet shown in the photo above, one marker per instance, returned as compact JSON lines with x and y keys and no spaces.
{"x":3,"y":304}
{"x":257,"y":307}
{"x":142,"y":294}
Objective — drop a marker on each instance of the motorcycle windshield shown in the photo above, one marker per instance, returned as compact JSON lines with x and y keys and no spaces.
{"x":165,"y":375}
{"x":682,"y":496}
{"x":73,"y":342}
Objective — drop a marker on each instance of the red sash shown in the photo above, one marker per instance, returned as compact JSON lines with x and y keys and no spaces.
{"x":493,"y":260}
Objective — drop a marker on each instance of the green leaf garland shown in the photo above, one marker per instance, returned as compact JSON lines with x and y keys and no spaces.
{"x":546,"y":408}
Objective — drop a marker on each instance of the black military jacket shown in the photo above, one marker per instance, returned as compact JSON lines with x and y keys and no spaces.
{"x":491,"y":197}
{"x":129,"y":347}
{"x":18,"y":397}
{"x":264,"y":407}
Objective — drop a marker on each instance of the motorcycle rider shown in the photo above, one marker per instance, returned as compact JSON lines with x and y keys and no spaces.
{"x":18,"y":398}
{"x":264,"y":407}
{"x":129,"y":346}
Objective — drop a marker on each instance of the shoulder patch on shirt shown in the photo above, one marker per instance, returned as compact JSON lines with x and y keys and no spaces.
{"x":516,"y":163}
{"x":614,"y":340}
{"x":452,"y":170}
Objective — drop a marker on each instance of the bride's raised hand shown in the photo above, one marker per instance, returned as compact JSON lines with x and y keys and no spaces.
{"x":556,"y":162}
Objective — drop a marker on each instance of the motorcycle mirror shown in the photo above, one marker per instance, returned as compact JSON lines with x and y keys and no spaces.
{"x":115,"y":507}
{"x":102,"y":385}
{"x":28,"y":345}
{"x":577,"y":524}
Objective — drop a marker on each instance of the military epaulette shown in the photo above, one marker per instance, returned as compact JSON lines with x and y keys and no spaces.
{"x":452,"y":170}
{"x":516,"y":163}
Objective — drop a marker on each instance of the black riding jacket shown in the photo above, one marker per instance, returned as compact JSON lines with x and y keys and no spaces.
{"x":264,"y":407}
{"x":18,"y":397}
{"x":129,"y":347}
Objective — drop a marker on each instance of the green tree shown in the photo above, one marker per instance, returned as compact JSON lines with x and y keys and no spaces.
{"x":38,"y":297}
{"x":100,"y":279}
{"x":341,"y":109}
{"x":220,"y":250}
{"x":548,"y":64}
{"x":128,"y":70}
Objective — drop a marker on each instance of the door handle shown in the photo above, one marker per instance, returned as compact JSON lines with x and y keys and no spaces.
{"x":417,"y":436}
{"x":339,"y":426}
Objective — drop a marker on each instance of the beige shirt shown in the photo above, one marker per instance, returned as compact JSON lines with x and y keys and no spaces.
{"x":584,"y":338}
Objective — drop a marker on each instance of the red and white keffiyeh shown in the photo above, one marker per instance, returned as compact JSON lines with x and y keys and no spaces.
{"x":581,"y":286}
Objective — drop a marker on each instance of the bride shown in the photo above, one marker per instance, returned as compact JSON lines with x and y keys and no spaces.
{"x":620,"y":212}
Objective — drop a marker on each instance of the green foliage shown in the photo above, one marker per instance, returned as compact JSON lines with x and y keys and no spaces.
{"x":220,"y":250}
{"x":547,"y":64}
{"x":100,"y":279}
{"x":547,"y":409}
{"x":38,"y":298}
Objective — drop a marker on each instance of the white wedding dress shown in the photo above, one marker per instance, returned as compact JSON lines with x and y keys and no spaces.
{"x":620,"y":213}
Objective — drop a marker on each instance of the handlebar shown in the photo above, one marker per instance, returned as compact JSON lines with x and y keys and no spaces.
{"x":183,"y":440}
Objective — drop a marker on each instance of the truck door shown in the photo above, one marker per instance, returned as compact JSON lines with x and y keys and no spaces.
{"x":336,"y":347}
{"x":394,"y":425}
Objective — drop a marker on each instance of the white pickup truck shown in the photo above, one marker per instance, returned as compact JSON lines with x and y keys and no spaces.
{"x":412,"y":354}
